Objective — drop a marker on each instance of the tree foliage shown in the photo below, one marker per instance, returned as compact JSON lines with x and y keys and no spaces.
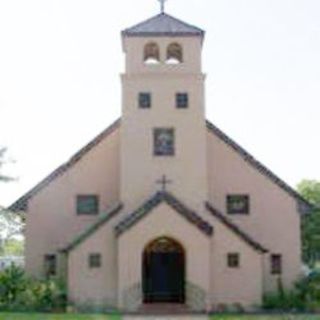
{"x":3,"y":178}
{"x":10,"y":222}
{"x":11,"y":226}
{"x":310,"y":190}
{"x":13,"y":247}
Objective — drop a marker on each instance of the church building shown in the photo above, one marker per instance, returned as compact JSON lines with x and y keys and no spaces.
{"x":163,"y":206}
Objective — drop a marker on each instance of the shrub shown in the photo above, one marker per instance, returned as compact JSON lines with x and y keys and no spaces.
{"x":305,"y":296}
{"x":21,"y":293}
{"x":12,"y":283}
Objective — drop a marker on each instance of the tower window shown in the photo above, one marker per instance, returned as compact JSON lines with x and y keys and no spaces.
{"x":163,"y":141}
{"x":174,"y":54}
{"x":144,"y":100}
{"x":233,"y":260}
{"x":276,"y":263}
{"x":238,"y":204}
{"x":182,"y":100}
{"x":87,"y":204}
{"x":151,"y":53}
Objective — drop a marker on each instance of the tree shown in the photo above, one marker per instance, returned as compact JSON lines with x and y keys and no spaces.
{"x":3,"y":178}
{"x":10,"y":222}
{"x":310,"y":190}
{"x":11,"y":226}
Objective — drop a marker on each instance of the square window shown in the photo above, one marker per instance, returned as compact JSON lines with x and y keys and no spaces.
{"x":276,"y":264}
{"x":238,"y":204}
{"x":94,"y":260}
{"x":144,"y":100}
{"x":163,"y":141}
{"x":87,"y":204}
{"x":182,"y":100}
{"x":50,"y":265}
{"x":233,"y":260}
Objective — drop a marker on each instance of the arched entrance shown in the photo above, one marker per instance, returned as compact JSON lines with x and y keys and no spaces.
{"x":163,"y":271}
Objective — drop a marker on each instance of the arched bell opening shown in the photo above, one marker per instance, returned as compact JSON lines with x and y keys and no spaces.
{"x":174,"y":54}
{"x":151,"y":53}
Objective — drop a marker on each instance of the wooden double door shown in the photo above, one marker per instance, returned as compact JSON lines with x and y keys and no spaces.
{"x":164,"y":272}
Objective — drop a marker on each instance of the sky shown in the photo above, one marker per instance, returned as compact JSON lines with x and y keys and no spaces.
{"x":60,"y":62}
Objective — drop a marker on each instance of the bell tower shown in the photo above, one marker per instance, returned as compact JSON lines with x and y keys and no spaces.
{"x":163,"y":117}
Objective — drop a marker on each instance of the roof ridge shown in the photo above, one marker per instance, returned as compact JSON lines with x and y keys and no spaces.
{"x":236,"y":229}
{"x":162,"y":22}
{"x":101,"y":220}
{"x":159,"y":197}
{"x":141,"y":23}
{"x":21,"y":203}
{"x":257,"y":164}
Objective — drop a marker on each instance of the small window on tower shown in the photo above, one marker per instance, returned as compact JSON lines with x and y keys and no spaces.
{"x":182,"y":100}
{"x":163,"y":141}
{"x":144,"y":100}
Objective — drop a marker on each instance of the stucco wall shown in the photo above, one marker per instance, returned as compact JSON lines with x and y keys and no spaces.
{"x":162,"y":221}
{"x":273,"y":220}
{"x":94,"y":287}
{"x":230,"y":286}
{"x":52,"y":221}
{"x":139,"y":166}
{"x":134,"y":50}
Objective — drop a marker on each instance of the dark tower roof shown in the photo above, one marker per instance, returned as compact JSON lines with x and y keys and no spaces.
{"x":163,"y":25}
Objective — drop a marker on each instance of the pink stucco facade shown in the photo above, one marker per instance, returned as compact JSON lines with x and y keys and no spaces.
{"x":120,"y":168}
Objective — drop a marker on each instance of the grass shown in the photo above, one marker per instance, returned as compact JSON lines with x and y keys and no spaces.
{"x":273,"y":317}
{"x":38,"y":316}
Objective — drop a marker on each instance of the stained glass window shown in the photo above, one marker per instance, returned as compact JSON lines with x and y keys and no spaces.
{"x":238,"y":204}
{"x":163,"y":141}
{"x":87,"y":204}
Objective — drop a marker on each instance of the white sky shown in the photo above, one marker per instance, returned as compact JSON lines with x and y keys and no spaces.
{"x":60,"y":62}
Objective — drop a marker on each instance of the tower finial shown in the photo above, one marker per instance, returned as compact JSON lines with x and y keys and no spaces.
{"x":162,"y":3}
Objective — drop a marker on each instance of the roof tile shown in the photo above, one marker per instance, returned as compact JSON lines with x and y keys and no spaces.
{"x":163,"y":25}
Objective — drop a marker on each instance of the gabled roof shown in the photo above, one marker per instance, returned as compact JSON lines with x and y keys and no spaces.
{"x":304,"y":205}
{"x":22,"y":203}
{"x":104,"y":218}
{"x":174,"y":203}
{"x":162,"y":25}
{"x":235,"y":229}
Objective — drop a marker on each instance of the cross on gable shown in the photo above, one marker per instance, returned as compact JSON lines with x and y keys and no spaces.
{"x":164,"y":182}
{"x":162,"y":3}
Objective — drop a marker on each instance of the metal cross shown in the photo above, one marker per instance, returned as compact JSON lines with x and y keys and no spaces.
{"x":164,"y":182}
{"x":162,"y":2}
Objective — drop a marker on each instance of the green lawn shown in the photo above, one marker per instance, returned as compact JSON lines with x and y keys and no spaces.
{"x":38,"y":316}
{"x":284,"y":317}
